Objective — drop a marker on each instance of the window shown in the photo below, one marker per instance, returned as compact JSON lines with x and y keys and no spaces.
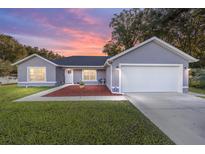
{"x":36,"y":74}
{"x":89,"y":75}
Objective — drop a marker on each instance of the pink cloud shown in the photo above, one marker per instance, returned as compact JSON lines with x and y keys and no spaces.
{"x":82,"y":15}
{"x":78,"y":42}
{"x":83,"y":43}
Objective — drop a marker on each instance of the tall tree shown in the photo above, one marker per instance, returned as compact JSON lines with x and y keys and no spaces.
{"x":42,"y":52}
{"x":112,"y":48}
{"x":127,"y":27}
{"x":183,"y":28}
{"x":11,"y":51}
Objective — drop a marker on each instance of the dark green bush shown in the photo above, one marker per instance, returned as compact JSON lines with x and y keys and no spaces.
{"x":82,"y":83}
{"x":197,"y":78}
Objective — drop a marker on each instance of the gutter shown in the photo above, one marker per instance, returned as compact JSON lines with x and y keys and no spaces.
{"x":76,"y":66}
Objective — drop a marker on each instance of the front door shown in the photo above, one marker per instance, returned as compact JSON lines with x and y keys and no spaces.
{"x":69,"y":76}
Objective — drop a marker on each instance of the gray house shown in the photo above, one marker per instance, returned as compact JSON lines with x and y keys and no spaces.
{"x":152,"y":66}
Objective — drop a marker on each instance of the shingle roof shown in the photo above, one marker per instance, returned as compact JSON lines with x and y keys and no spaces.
{"x":82,"y":60}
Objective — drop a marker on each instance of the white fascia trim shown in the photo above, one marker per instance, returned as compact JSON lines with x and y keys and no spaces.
{"x":174,"y":49}
{"x":40,"y":82}
{"x":26,"y":58}
{"x":73,"y":66}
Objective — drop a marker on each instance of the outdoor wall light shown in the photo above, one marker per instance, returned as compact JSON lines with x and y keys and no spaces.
{"x":117,"y":68}
{"x":187,"y":68}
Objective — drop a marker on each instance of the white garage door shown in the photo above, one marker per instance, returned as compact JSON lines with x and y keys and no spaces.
{"x":157,"y":78}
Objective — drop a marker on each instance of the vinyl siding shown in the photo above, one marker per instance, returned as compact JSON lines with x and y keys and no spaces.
{"x":151,"y":53}
{"x":60,"y":75}
{"x":36,"y":62}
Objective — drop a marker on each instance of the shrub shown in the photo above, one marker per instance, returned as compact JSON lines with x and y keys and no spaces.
{"x":197,"y":78}
{"x":82,"y":83}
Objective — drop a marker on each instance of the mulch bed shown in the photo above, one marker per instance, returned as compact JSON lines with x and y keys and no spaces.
{"x":88,"y":90}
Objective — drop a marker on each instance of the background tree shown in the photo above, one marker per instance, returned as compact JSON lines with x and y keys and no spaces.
{"x":5,"y":68}
{"x":112,"y":48}
{"x":11,"y":51}
{"x":42,"y":52}
{"x":183,"y":28}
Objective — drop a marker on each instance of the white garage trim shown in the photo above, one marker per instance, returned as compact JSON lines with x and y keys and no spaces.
{"x":180,"y":75}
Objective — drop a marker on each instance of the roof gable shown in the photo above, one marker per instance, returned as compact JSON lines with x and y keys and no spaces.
{"x":100,"y":61}
{"x":160,"y":42}
{"x":31,"y":56}
{"x":73,"y":61}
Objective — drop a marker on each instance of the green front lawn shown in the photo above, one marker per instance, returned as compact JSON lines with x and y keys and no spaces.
{"x":91,"y":122}
{"x":197,"y":90}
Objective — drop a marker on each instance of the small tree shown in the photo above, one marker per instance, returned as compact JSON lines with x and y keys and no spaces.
{"x":5,"y":68}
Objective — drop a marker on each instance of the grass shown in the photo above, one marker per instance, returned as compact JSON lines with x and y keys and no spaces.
{"x":197,"y":90}
{"x":11,"y":92}
{"x":94,"y":122}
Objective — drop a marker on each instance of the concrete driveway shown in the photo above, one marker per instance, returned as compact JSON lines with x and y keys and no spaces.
{"x":179,"y":116}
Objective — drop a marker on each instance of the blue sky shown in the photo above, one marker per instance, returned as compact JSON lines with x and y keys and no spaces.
{"x":66,"y":31}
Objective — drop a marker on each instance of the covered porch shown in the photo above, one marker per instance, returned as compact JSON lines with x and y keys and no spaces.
{"x":89,"y":76}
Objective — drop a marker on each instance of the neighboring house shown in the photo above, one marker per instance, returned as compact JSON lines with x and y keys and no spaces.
{"x":152,"y":66}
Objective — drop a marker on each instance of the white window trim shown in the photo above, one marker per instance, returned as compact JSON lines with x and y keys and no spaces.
{"x":36,"y":81}
{"x":89,"y":80}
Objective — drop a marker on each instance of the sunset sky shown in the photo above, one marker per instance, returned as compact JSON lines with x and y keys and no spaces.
{"x":66,"y":31}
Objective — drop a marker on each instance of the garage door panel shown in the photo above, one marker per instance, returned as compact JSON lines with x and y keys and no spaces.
{"x":149,"y":79}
